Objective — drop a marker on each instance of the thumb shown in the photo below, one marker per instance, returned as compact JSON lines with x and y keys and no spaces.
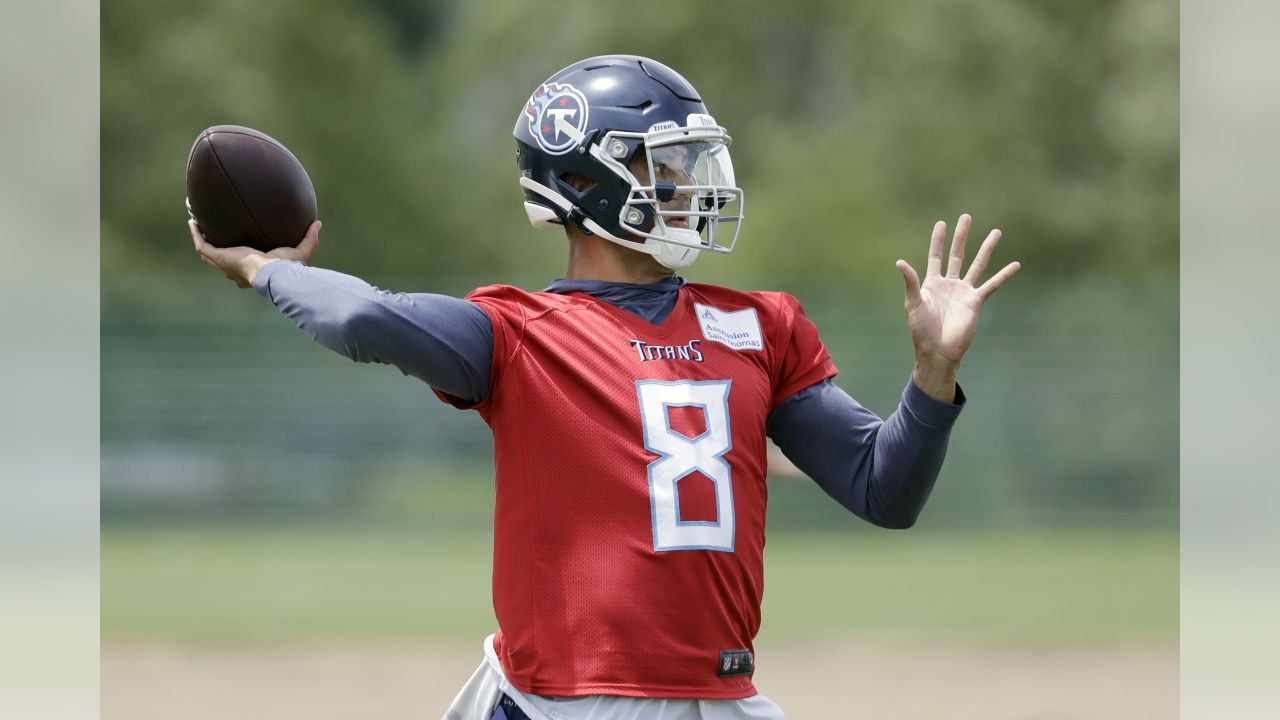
{"x":912,"y":282}
{"x":304,"y":249}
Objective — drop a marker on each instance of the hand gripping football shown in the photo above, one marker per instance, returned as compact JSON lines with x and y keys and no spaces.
{"x":245,"y":188}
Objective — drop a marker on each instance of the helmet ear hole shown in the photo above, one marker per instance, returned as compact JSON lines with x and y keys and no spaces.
{"x":581,"y":183}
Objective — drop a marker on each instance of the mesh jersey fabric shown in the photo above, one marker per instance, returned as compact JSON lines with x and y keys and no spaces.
{"x":586,"y":602}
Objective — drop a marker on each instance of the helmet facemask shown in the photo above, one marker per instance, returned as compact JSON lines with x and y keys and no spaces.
{"x":682,"y":189}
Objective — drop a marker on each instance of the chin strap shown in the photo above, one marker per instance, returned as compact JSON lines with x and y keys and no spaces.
{"x":672,"y":257}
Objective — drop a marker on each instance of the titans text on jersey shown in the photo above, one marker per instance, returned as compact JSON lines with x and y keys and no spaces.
{"x":648,"y":351}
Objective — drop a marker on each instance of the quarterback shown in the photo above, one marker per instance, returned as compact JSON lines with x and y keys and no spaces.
{"x":631,"y":409}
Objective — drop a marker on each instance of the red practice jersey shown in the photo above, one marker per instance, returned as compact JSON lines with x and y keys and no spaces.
{"x":630,"y":461}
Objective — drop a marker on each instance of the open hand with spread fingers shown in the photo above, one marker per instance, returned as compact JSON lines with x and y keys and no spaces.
{"x":942,"y":312}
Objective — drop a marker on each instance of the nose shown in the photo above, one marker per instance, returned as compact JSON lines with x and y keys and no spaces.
{"x":684,"y":194}
{"x":666,"y":192}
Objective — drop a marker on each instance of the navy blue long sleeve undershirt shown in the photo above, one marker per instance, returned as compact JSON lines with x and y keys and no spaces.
{"x":881,"y":470}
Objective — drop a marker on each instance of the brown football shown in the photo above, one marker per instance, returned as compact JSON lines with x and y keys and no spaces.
{"x":245,"y":188}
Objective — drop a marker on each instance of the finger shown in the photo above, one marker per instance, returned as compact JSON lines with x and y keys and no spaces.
{"x":955,"y":261}
{"x":307,"y":246}
{"x":311,"y":240}
{"x":980,"y":260}
{"x":912,"y":282}
{"x":196,"y":236}
{"x":991,"y":286}
{"x":934,"y":268}
{"x":202,"y":246}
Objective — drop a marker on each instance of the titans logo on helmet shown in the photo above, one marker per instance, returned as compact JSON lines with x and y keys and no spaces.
{"x":557,"y":115}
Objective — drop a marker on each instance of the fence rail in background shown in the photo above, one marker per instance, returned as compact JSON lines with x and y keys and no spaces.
{"x":215,"y":406}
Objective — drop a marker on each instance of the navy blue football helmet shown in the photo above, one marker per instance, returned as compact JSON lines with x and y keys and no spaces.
{"x":579,"y":143}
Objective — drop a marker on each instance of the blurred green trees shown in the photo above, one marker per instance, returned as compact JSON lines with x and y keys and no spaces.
{"x":856,"y":125}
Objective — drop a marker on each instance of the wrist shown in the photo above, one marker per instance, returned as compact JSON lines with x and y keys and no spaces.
{"x":936,"y":377}
{"x":252,"y":264}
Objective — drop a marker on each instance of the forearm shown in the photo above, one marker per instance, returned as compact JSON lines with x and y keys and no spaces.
{"x":883,"y":471}
{"x":444,"y":341}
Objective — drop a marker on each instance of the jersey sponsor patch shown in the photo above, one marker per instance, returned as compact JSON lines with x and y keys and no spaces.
{"x":737,"y":329}
{"x":736,"y":662}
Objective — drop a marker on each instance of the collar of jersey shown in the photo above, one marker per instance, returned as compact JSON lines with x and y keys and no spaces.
{"x":652,"y":302}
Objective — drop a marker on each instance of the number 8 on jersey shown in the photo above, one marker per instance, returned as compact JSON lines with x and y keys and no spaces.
{"x":680,"y":456}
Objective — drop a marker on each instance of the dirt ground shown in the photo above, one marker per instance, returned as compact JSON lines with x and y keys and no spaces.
{"x":880,"y":681}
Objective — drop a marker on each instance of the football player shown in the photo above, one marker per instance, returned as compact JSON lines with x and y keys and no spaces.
{"x":631,"y":409}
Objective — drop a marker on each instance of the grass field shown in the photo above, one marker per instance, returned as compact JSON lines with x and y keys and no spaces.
{"x":339,"y":621}
{"x":271,"y":585}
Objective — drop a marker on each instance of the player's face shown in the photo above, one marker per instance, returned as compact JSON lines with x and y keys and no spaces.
{"x":670,"y":164}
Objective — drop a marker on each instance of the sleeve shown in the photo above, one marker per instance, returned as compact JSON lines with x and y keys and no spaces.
{"x":444,"y":341}
{"x":802,"y":358}
{"x":882,"y":471}
{"x":505,"y":316}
